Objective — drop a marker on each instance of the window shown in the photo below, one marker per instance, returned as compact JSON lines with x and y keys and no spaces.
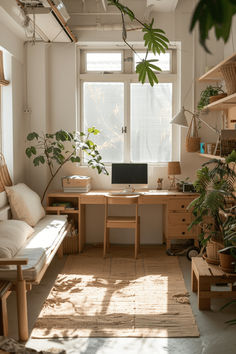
{"x":133,"y":119}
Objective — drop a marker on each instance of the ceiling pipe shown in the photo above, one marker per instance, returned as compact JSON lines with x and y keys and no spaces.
{"x":111,"y":27}
{"x":94,"y":13}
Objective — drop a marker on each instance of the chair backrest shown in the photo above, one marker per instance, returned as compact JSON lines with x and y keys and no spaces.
{"x":122,"y":200}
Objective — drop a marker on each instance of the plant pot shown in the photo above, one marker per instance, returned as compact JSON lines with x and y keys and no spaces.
{"x":217,"y":97}
{"x":227,"y":262}
{"x":212,"y":249}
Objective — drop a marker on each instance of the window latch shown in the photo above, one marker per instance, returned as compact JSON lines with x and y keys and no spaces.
{"x":124,"y":130}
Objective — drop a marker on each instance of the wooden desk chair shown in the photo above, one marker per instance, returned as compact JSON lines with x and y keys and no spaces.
{"x":121,"y":222}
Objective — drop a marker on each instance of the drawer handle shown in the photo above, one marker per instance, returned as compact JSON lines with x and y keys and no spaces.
{"x":183,"y":233}
{"x":182,"y":206}
{"x":183,"y":220}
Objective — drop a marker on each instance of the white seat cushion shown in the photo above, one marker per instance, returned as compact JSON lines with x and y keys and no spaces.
{"x":25,"y":204}
{"x":48,"y":233}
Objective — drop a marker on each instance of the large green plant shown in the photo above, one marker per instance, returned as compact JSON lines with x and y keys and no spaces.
{"x":56,"y":149}
{"x":215,"y":184}
{"x":215,"y":14}
{"x":154,"y":41}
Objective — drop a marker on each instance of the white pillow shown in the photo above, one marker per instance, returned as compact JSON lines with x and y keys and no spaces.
{"x":13,"y":234}
{"x":25,"y":204}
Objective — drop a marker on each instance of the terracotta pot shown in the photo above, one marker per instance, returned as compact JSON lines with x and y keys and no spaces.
{"x":212,"y":249}
{"x":227,"y":262}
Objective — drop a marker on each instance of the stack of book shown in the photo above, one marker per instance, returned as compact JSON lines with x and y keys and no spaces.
{"x":78,"y":184}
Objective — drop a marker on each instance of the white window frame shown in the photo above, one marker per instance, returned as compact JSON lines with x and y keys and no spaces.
{"x":127,"y":78}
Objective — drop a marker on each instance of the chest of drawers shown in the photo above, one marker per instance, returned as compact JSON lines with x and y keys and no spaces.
{"x":177,"y":220}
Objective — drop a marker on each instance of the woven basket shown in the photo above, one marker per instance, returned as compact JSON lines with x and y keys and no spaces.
{"x":229,"y":74}
{"x":70,"y":244}
{"x":192,"y":140}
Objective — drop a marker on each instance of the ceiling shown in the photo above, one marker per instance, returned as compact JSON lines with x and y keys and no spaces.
{"x":63,"y":20}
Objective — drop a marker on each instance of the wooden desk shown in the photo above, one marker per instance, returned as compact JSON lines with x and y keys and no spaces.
{"x":176,"y":217}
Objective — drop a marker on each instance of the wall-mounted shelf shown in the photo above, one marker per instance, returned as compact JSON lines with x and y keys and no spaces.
{"x":222,"y":104}
{"x":208,"y":156}
{"x":215,"y":74}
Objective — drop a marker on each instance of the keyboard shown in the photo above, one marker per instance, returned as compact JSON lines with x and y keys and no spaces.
{"x":124,"y":193}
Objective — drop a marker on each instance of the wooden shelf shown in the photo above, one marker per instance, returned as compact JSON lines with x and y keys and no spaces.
{"x":222,"y":104}
{"x":215,"y":74}
{"x":208,"y":156}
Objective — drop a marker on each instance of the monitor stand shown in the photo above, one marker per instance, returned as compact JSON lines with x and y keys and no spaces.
{"x":129,"y":189}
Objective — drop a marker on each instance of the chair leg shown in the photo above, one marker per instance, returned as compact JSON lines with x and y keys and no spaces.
{"x":108,"y":239}
{"x":105,"y":242}
{"x":136,"y":243}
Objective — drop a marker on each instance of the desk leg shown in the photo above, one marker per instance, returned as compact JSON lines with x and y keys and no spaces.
{"x":82,"y":228}
{"x":204,"y":302}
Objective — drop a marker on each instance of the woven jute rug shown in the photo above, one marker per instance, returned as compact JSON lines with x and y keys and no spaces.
{"x":118,"y":297}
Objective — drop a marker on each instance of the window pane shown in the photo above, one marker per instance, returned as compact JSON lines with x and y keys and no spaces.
{"x":151,"y":113}
{"x":104,"y":109}
{"x":163,"y":59}
{"x":103,"y":62}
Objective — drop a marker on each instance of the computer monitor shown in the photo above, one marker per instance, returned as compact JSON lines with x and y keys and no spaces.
{"x":129,"y":173}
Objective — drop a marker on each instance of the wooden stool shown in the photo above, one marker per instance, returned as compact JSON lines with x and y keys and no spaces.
{"x":4,"y":293}
{"x":203,"y":276}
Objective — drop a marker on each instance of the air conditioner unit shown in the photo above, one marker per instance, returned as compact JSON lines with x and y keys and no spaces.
{"x":49,"y":20}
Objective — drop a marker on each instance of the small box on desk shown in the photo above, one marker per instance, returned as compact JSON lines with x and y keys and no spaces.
{"x":76,"y":183}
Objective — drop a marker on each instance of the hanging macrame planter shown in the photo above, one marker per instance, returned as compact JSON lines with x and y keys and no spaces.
{"x":3,"y":82}
{"x":192,"y":138}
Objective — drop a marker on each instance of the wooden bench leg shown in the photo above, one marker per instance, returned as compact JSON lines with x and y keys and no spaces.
{"x":204,"y":301}
{"x":60,"y":251}
{"x":22,"y":306}
{"x":3,"y":317}
{"x":193,"y":281}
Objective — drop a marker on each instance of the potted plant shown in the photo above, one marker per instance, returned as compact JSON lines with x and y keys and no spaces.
{"x":215,"y":185}
{"x":56,"y":149}
{"x":209,"y":95}
{"x":228,"y":253}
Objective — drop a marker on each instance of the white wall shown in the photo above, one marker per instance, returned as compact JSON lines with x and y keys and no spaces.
{"x":13,"y":123}
{"x":52,"y":99}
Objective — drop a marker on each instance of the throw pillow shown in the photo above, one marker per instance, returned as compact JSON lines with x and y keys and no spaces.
{"x":13,"y":234}
{"x":25,"y":204}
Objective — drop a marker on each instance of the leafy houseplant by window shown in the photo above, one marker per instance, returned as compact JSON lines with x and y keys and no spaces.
{"x":61,"y":147}
{"x":215,"y":185}
{"x":210,"y":91}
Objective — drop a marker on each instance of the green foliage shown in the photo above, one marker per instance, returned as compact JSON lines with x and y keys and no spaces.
{"x":61,"y":147}
{"x":154,"y":40}
{"x":215,"y":14}
{"x":145,"y":68}
{"x":215,"y":185}
{"x":206,"y":94}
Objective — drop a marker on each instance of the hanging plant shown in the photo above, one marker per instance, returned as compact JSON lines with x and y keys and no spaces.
{"x":207,"y":93}
{"x":154,"y":41}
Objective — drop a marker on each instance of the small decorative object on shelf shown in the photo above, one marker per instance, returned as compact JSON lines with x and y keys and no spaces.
{"x":192,"y":138}
{"x":159,"y":183}
{"x":173,"y":170}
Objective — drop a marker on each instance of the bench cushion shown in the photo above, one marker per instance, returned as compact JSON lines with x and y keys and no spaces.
{"x":48,"y":234}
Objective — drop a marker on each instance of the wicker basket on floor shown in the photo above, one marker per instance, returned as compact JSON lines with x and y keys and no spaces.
{"x":70,"y":244}
{"x":229,"y":74}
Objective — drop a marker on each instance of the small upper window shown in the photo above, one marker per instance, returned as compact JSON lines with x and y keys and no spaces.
{"x":103,"y":61}
{"x":164,"y":59}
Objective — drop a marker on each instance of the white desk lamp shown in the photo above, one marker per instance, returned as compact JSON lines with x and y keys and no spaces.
{"x":180,"y":119}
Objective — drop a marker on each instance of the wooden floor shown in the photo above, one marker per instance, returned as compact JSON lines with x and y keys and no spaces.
{"x":118,"y":297}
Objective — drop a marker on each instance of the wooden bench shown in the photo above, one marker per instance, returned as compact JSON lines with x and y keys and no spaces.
{"x":205,"y":275}
{"x":5,"y":290}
